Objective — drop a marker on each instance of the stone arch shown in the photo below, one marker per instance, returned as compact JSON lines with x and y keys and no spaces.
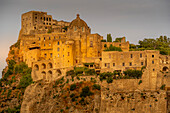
{"x":43,"y":73}
{"x":36,"y":67}
{"x":50,"y":65}
{"x":43,"y":66}
{"x":165,"y":68}
{"x":49,"y":74}
{"x":58,"y":72}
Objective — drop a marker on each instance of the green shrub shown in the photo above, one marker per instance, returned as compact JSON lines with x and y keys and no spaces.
{"x":140,"y":82}
{"x":133,"y":73}
{"x":25,"y":81}
{"x":109,"y":80}
{"x":96,"y":86}
{"x":72,"y":95}
{"x":73,"y":87}
{"x":90,"y":72}
{"x":113,"y":48}
{"x":69,"y":73}
{"x":105,"y":75}
{"x":11,"y":64}
{"x":105,"y":45}
{"x":67,"y":81}
{"x":6,"y":75}
{"x":85,"y":92}
{"x":22,"y":68}
{"x":16,"y":109}
{"x":12,"y":52}
{"x":143,"y":67}
{"x":9,"y":93}
{"x":163,"y":87}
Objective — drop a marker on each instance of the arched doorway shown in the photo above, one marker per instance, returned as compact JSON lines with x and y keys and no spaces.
{"x":36,"y":67}
{"x":49,"y":75}
{"x":58,"y":72}
{"x":50,"y":65}
{"x":44,"y":74}
{"x":165,"y":68}
{"x":43,"y":66}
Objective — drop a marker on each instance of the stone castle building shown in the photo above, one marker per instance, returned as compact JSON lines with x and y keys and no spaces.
{"x":53,"y":47}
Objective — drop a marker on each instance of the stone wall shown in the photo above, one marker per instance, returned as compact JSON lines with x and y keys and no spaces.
{"x":127,"y":96}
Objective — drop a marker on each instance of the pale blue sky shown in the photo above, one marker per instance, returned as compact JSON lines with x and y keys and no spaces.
{"x":134,"y":19}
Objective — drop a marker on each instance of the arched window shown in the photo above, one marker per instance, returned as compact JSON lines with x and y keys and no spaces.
{"x":36,"y":67}
{"x":58,"y":43}
{"x":50,"y":65}
{"x":43,"y":66}
{"x":44,"y":74}
{"x":165,"y":68}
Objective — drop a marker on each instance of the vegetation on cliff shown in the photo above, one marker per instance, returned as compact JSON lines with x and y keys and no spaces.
{"x":12,"y":86}
{"x":128,"y":74}
{"x":62,"y":95}
{"x":162,"y":44}
{"x":113,"y":48}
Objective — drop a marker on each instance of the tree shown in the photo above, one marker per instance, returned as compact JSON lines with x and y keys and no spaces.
{"x":109,"y":38}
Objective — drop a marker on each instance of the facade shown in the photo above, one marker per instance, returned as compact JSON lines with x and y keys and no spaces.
{"x":53,"y":47}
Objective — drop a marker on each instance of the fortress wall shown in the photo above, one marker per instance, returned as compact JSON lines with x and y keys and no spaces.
{"x":127,"y":96}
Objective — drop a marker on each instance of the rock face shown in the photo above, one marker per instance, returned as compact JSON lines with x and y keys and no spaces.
{"x":52,"y":98}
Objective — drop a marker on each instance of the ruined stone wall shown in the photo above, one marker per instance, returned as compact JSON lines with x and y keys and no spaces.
{"x":127,"y":96}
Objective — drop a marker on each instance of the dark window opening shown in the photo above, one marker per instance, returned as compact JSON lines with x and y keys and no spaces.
{"x":131,"y":56}
{"x":123,"y":64}
{"x":130,"y":64}
{"x":141,"y":55}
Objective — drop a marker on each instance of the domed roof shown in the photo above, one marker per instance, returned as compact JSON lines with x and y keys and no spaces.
{"x":78,"y":22}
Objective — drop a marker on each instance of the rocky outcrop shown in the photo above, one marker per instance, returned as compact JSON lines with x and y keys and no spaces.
{"x":59,"y":97}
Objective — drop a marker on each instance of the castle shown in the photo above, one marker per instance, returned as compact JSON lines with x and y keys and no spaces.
{"x":53,"y":47}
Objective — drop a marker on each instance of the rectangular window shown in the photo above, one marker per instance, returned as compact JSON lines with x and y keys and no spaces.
{"x":142,"y":63}
{"x":152,"y":61}
{"x":113,"y":64}
{"x":123,"y":64}
{"x":105,"y":65}
{"x":131,"y":56}
{"x":140,"y":55}
{"x":51,"y":54}
{"x":130,"y":64}
{"x":68,"y":54}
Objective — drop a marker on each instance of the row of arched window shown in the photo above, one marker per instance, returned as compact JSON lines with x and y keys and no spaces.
{"x":43,"y":66}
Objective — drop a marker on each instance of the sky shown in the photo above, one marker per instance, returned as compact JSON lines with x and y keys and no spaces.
{"x":134,"y":19}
